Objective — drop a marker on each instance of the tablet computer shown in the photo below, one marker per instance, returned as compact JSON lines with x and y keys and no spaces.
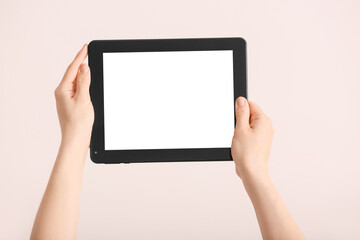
{"x":165,"y":100}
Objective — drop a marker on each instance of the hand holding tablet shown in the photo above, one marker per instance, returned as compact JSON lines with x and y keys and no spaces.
{"x":250,"y":148}
{"x":165,"y":100}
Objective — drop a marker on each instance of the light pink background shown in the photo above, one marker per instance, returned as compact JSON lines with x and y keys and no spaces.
{"x":304,"y":70}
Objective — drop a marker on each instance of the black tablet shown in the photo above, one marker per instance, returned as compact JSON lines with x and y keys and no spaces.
{"x":165,"y":100}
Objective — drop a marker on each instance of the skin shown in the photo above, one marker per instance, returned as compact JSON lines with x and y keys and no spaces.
{"x":251,"y":146}
{"x":57,"y":217}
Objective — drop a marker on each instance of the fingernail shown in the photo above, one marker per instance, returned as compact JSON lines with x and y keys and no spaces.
{"x":84,"y":68}
{"x":241,"y":101}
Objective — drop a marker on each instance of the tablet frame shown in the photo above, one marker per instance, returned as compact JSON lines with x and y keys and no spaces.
{"x":96,"y":49}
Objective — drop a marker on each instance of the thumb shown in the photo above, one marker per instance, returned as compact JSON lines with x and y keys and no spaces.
{"x":83,"y":82}
{"x":242,"y":113}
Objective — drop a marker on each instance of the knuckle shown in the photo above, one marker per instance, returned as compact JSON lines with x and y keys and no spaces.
{"x":240,"y":130}
{"x":241,"y":110}
{"x":56,"y":92}
{"x":83,"y":78}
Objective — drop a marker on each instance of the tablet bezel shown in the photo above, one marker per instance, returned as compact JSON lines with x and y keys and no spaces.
{"x":96,"y":48}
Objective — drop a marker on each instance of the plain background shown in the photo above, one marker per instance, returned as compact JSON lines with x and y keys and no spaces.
{"x":303,"y":70}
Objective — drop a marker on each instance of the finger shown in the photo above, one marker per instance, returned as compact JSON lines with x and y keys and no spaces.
{"x":256,"y":114}
{"x":73,"y":68}
{"x":83,"y":82}
{"x":242,"y":113}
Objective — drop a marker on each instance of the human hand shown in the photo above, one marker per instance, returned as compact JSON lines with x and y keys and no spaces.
{"x":73,"y":103}
{"x":251,"y":144}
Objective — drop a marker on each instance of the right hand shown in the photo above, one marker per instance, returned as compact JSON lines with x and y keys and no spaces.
{"x":251,"y":144}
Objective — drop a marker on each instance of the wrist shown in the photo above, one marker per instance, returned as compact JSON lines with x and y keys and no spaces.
{"x":70,"y":161}
{"x":259,"y":174}
{"x":255,"y":181}
{"x":73,"y":141}
{"x":74,"y":151}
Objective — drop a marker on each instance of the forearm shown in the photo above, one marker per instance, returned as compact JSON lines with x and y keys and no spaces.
{"x":274,"y":219}
{"x":57,"y":216}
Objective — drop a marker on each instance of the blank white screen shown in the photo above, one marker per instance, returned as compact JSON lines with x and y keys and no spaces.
{"x":163,"y":100}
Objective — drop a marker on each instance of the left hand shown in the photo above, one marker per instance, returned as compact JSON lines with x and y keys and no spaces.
{"x":73,"y":103}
